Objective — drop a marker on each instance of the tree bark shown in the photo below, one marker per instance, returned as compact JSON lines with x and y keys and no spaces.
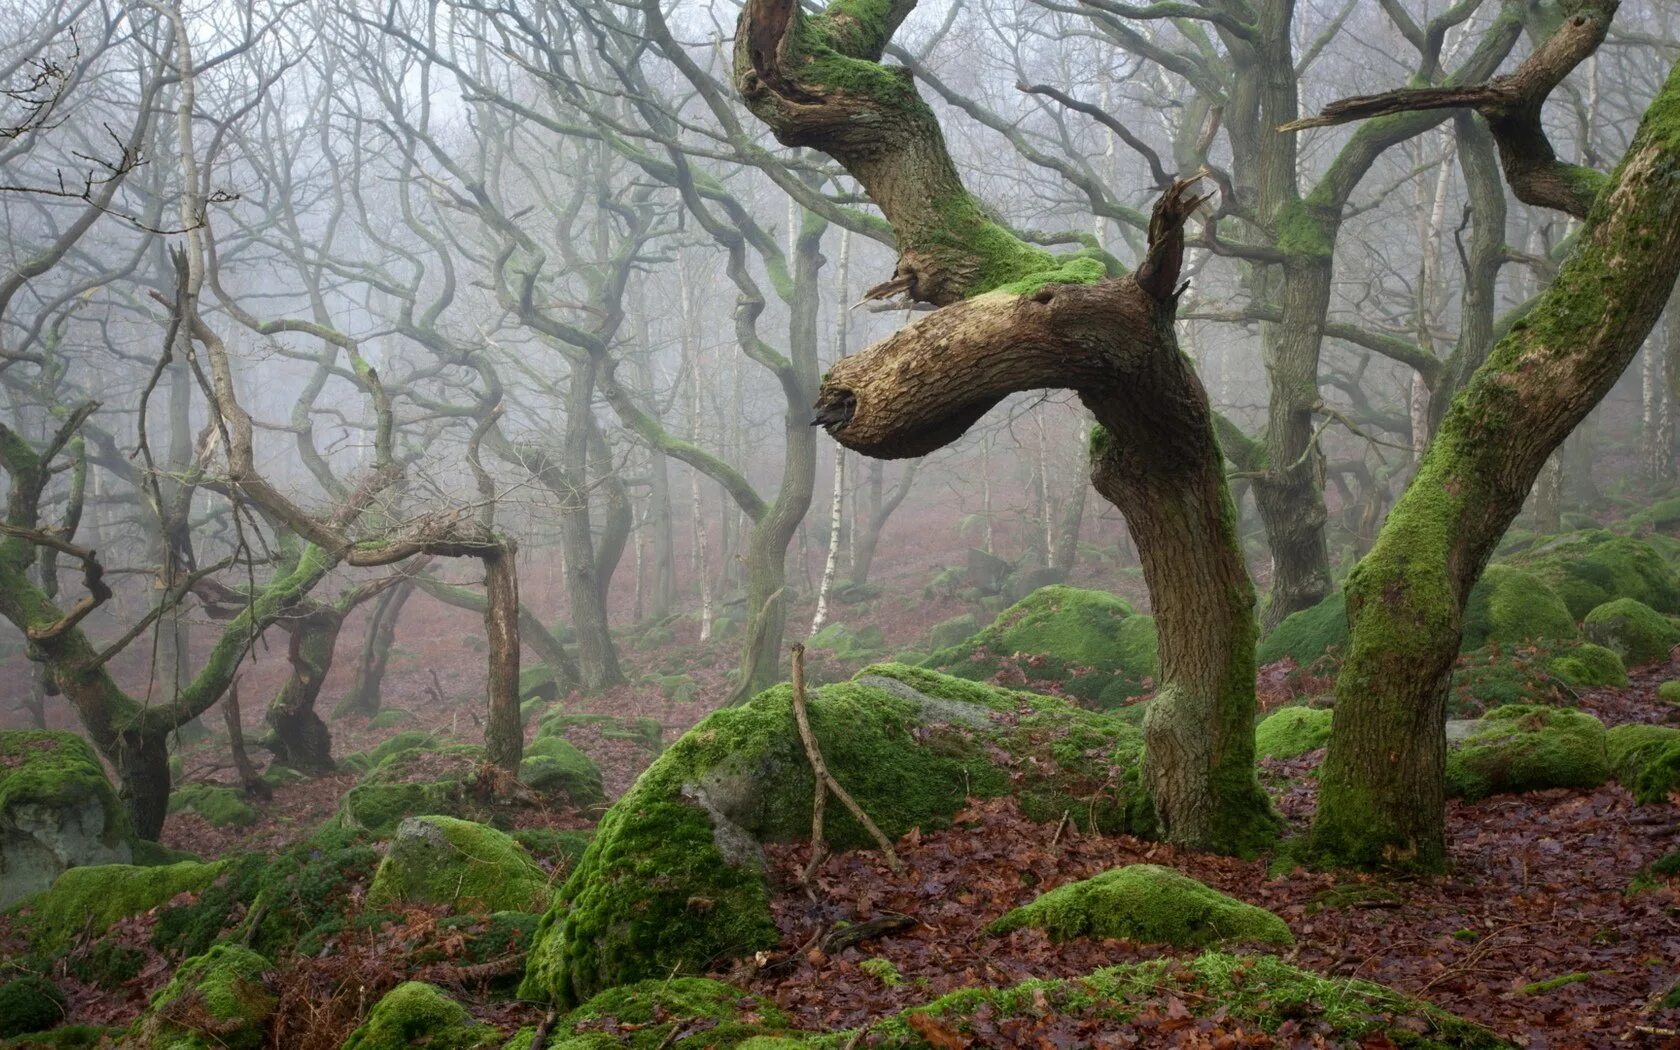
{"x":363,"y":698}
{"x":504,"y":733}
{"x":298,"y":737}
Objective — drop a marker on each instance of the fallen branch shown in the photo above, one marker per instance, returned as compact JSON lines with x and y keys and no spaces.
{"x":824,"y":782}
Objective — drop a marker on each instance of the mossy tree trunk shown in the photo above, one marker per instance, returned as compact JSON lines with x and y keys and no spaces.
{"x":375,"y":655}
{"x":504,"y":733}
{"x":1381,"y":796}
{"x":531,"y":630}
{"x":1015,"y":318}
{"x":298,"y":737}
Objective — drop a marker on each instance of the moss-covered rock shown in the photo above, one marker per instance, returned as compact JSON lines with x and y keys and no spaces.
{"x":1292,"y":731}
{"x":407,"y":740}
{"x":390,"y":718}
{"x":1638,"y":633}
{"x":1499,"y":676}
{"x":222,"y":806}
{"x":1645,"y":759}
{"x":1148,"y":903}
{"x":1588,"y":666}
{"x":1525,"y":747}
{"x":1509,"y":606}
{"x":419,"y":782}
{"x":90,"y":898}
{"x":57,"y":811}
{"x":466,"y":866}
{"x":685,"y":1012}
{"x":217,"y":1000}
{"x":1661,"y":516}
{"x":1309,"y":635}
{"x":1589,"y":568}
{"x":645,"y":732}
{"x":554,"y":767}
{"x":1075,"y":637}
{"x":29,"y":1003}
{"x":674,"y":879}
{"x":849,"y":642}
{"x":954,"y":631}
{"x":1669,"y":692}
{"x":418,"y":1014}
{"x":536,"y":682}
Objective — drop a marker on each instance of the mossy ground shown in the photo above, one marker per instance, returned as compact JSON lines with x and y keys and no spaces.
{"x":29,"y":1003}
{"x":1148,"y":903}
{"x":1527,"y":748}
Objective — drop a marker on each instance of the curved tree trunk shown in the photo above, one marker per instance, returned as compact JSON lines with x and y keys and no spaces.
{"x":531,"y":629}
{"x":363,"y":698}
{"x":298,"y":736}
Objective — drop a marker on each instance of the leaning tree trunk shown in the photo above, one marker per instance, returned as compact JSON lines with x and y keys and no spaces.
{"x":363,"y":698}
{"x":504,"y":733}
{"x":1381,"y":791}
{"x":298,"y":737}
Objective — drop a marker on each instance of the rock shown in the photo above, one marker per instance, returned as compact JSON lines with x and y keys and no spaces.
{"x":57,"y":811}
{"x":656,"y":1013}
{"x":1023,"y":582}
{"x":556,"y":768}
{"x":1635,"y":631}
{"x":390,"y":718}
{"x":220,"y":1000}
{"x":985,"y":572}
{"x":536,"y":681}
{"x":844,"y":641}
{"x":1589,"y":568}
{"x":29,"y":1003}
{"x":1083,"y":640}
{"x":1499,"y":676}
{"x":1510,"y":606}
{"x":953,"y":632}
{"x":407,"y":740}
{"x":1645,"y":759}
{"x":418,"y":1014}
{"x":1147,"y":903}
{"x":222,"y":806}
{"x":465,"y":866}
{"x":644,"y":731}
{"x":1525,"y":747}
{"x":855,"y":593}
{"x":1308,"y":635}
{"x":674,"y":880}
{"x":655,"y":638}
{"x":89,"y":899}
{"x":1292,"y":731}
{"x":1588,"y":666}
{"x":416,"y":782}
{"x":1668,"y":692}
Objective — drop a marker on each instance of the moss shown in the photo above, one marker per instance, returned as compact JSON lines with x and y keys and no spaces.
{"x":1589,"y":666}
{"x":1509,"y":605}
{"x":1527,"y":748}
{"x":1148,"y":903}
{"x":645,"y":732}
{"x":1637,"y":633}
{"x":1078,"y":638}
{"x":390,"y":718}
{"x":29,"y":1003}
{"x":220,"y":999}
{"x":559,"y":849}
{"x":1496,"y":676}
{"x":1552,"y":984}
{"x":1253,"y":992}
{"x":1303,"y":230}
{"x":61,"y":772}
{"x":554,"y":767}
{"x":418,"y":1014}
{"x":673,"y":881}
{"x":1663,"y":515}
{"x":882,"y":970}
{"x":89,"y":899}
{"x":466,"y":866}
{"x":1292,"y":731}
{"x":1645,"y":760}
{"x":1309,"y":635}
{"x":148,"y":854}
{"x":679,"y":1012}
{"x":1669,"y":692}
{"x":1590,"y":568}
{"x":416,"y":782}
{"x":222,"y":806}
{"x":69,"y":1037}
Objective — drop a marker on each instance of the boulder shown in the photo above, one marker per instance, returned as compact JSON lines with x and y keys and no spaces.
{"x":554,"y":767}
{"x":1588,"y":666}
{"x":1510,"y":606}
{"x":220,"y":1000}
{"x":954,"y":631}
{"x":674,"y":879}
{"x":29,"y":1003}
{"x":89,"y":899}
{"x":1589,"y":568}
{"x":1292,"y":731}
{"x":1635,"y":631}
{"x":1308,"y":635}
{"x":1024,"y":581}
{"x":1525,"y":747}
{"x":465,"y":866}
{"x":223,"y":807}
{"x":418,"y":1014}
{"x":985,"y":572}
{"x":844,"y":641}
{"x":1645,"y":759}
{"x":57,"y":811}
{"x":1147,"y":903}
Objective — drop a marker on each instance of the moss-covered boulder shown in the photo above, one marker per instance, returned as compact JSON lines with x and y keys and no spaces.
{"x":89,"y":899}
{"x":1635,"y":631}
{"x":954,"y":631}
{"x":1148,"y":903}
{"x":397,"y":743}
{"x":674,"y":878}
{"x":222,"y":806}
{"x":29,"y":1003}
{"x":1292,"y":731}
{"x":1077,"y":638}
{"x":1308,"y":635}
{"x":1509,"y":606}
{"x":466,"y":866}
{"x":554,"y":767}
{"x":1498,"y":676}
{"x":643,"y":731}
{"x":418,"y":1014}
{"x":1588,"y":666}
{"x":57,"y":811}
{"x":1589,"y":568}
{"x":1669,"y":692}
{"x":849,"y":642}
{"x":1525,"y":747}
{"x":686,"y":1012}
{"x":1645,"y":759}
{"x":220,"y":1000}
{"x":1661,"y":516}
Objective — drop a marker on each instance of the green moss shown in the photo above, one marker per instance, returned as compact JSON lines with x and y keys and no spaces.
{"x":1509,"y":605}
{"x":1292,"y":731}
{"x":1552,"y":984}
{"x":418,"y":1014}
{"x":60,"y":771}
{"x":390,"y":718}
{"x":1148,"y":903}
{"x":220,"y":999}
{"x":645,"y":732}
{"x":673,"y":881}
{"x":1637,"y":633}
{"x":846,"y":642}
{"x":1527,"y":748}
{"x":554,"y":767}
{"x":882,"y":970}
{"x":1309,"y":635}
{"x":1496,"y":676}
{"x":89,"y":899}
{"x":1663,"y":515}
{"x":1669,"y":692}
{"x":1590,"y":568}
{"x":559,"y":849}
{"x":69,"y":1037}
{"x":29,"y":1003}
{"x":1645,"y":759}
{"x":222,"y":806}
{"x":416,"y":782}
{"x":1304,"y":230}
{"x":1253,"y":992}
{"x":467,"y":866}
{"x":666,"y":1012}
{"x":1588,"y":666}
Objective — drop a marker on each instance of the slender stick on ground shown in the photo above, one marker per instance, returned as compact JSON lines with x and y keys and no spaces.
{"x":825,"y":782}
